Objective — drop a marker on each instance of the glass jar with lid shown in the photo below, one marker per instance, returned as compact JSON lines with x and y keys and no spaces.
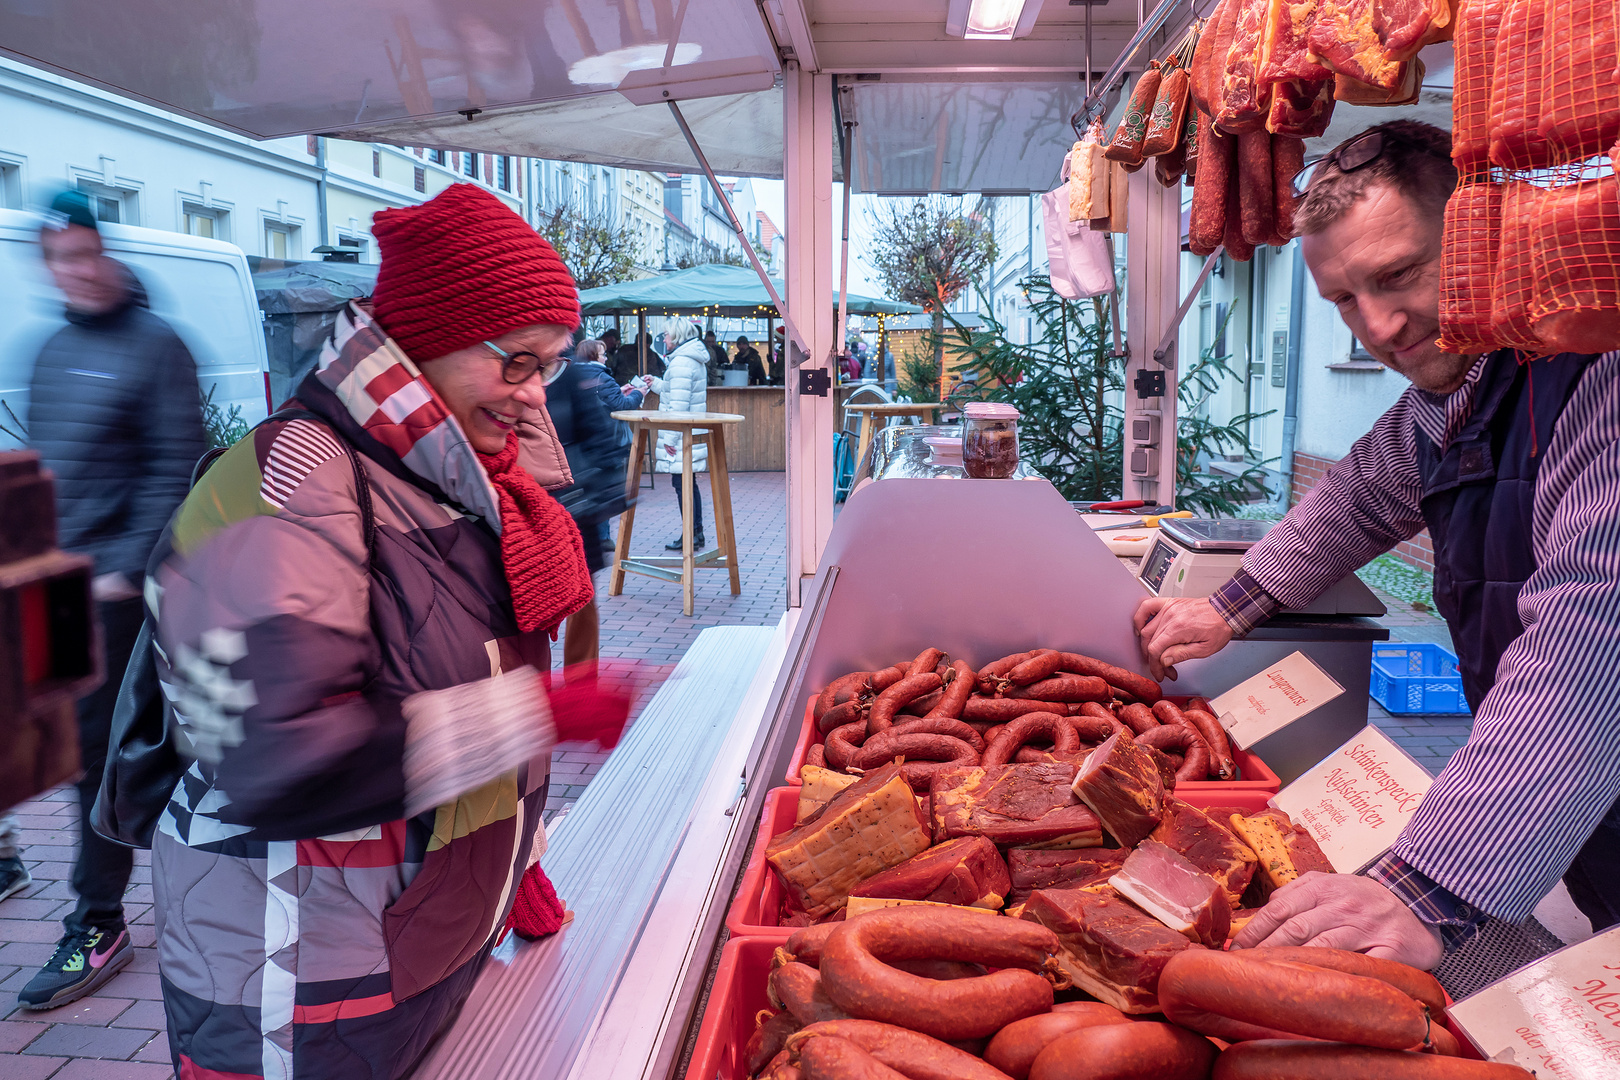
{"x":989,"y":440}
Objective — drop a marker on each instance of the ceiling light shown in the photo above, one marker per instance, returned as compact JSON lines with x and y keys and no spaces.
{"x":994,"y":19}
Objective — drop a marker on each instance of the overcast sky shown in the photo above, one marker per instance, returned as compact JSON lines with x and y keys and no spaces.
{"x":862,"y":278}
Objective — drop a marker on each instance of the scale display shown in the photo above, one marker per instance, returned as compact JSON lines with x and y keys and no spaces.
{"x":1156,"y":563}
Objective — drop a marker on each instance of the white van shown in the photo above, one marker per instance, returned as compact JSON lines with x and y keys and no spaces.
{"x":200,"y":287}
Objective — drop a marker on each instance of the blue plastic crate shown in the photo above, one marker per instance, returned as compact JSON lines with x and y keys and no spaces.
{"x":1417,"y":678}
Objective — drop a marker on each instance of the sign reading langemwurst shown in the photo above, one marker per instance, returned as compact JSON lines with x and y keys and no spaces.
{"x":1273,"y":699}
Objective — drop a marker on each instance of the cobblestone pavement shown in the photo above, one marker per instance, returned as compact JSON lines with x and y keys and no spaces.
{"x":118,"y":1033}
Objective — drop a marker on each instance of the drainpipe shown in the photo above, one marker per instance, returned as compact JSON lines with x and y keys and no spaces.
{"x":320,"y":188}
{"x":1296,"y":321}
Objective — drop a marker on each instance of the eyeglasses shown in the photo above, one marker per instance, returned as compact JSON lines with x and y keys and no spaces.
{"x":1355,"y":154}
{"x":518,"y":367}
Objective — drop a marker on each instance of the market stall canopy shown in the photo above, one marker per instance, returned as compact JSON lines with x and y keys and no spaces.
{"x":725,"y":290}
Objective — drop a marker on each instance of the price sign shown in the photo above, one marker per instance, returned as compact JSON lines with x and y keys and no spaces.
{"x":1273,"y":699}
{"x":1356,"y":801}
{"x":1560,"y":1016}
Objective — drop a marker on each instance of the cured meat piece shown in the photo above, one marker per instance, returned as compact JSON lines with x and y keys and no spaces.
{"x":1255,"y":189}
{"x":868,"y":827}
{"x":1408,"y":80}
{"x":1209,"y":58}
{"x":1345,"y":39}
{"x":1244,"y":98}
{"x":1110,"y":949}
{"x":1121,"y":785}
{"x":1287,"y":158}
{"x":1164,"y":884}
{"x":820,"y":785}
{"x":1206,"y":221}
{"x":1577,"y":300}
{"x":1088,"y":175}
{"x":1126,"y":146}
{"x":1284,"y":851}
{"x":1207,"y":844}
{"x":1169,"y":110}
{"x":1405,"y":26}
{"x":1237,"y":247}
{"x":1514,"y":285}
{"x":1516,"y":78}
{"x":1037,"y":868}
{"x":1478,"y":24}
{"x":1300,"y":109}
{"x":1287,"y":29}
{"x":967,"y":871}
{"x":1468,"y":265}
{"x":1013,"y":804}
{"x":1580,"y":100}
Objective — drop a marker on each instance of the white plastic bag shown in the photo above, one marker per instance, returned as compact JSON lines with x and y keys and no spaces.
{"x":1076,"y":255}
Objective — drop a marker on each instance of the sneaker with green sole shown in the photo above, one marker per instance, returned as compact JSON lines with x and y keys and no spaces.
{"x":84,"y":960}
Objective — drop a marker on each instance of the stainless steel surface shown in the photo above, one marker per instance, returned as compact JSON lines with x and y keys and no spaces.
{"x":1215,"y":534}
{"x":898,"y":451}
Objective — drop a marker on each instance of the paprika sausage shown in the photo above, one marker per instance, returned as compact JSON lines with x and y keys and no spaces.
{"x":883,"y":747}
{"x":1050,"y":727}
{"x":1237,"y":247}
{"x":926,"y":661}
{"x":918,"y":1056}
{"x":1256,"y":187}
{"x":839,"y":690}
{"x":1006,"y":710}
{"x":1138,"y":717}
{"x":817,"y":756}
{"x":958,"y":688}
{"x":842,"y":744}
{"x":1287,"y":158}
{"x":1411,"y":981}
{"x":1183,"y":740}
{"x":856,"y":977}
{"x":805,"y":945}
{"x":797,"y":988}
{"x":1135,"y":1051}
{"x":1015,"y":1047}
{"x":880,"y":681}
{"x":924,"y":705}
{"x":846,"y":713}
{"x":1220,"y":747}
{"x":1138,"y":686}
{"x":1206,"y":224}
{"x":1064,"y":687}
{"x":993,"y":676}
{"x":828,"y":1058}
{"x":881,"y":716}
{"x":768,"y":1040}
{"x":1297,"y":998}
{"x":1278,"y":1059}
{"x":1095,"y":729}
{"x":935,"y":725}
{"x":1103,"y":712}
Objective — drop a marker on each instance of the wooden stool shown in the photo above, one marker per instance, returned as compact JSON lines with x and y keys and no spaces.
{"x":646,"y":426}
{"x":869,"y":415}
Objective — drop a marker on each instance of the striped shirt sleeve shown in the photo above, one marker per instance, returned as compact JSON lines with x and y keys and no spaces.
{"x":1510,"y":811}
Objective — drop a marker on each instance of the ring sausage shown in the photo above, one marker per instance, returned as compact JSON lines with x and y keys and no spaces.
{"x":958,"y":688}
{"x":1006,"y":710}
{"x":993,"y":676}
{"x":1136,"y":1051}
{"x":839,"y":690}
{"x":926,"y":661}
{"x":922,"y":706}
{"x":1138,"y":686}
{"x":1292,"y":997}
{"x":880,"y":681}
{"x":916,"y":746}
{"x":1095,"y":729}
{"x":935,"y":725}
{"x":918,"y":1056}
{"x":855,"y":976}
{"x":1409,"y":980}
{"x":1183,"y":740}
{"x":1050,"y":727}
{"x":768,"y":1040}
{"x":829,"y":1058}
{"x":881,"y":716}
{"x":1138,"y":717}
{"x":1104,"y":713}
{"x":805,"y":945}
{"x":797,"y":988}
{"x":842,"y":744}
{"x":846,"y":713}
{"x":1015,"y":1047}
{"x":817,"y":756}
{"x":1220,"y":747}
{"x":1064,"y":687}
{"x":1271,"y":1059}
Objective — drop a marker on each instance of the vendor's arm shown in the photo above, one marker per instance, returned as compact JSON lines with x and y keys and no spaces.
{"x":1507,"y":816}
{"x":1343,"y":911}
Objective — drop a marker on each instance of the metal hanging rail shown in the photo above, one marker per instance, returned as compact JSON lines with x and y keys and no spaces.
{"x":1146,"y":30}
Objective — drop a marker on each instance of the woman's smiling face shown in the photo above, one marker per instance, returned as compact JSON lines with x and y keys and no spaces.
{"x":485,"y":404}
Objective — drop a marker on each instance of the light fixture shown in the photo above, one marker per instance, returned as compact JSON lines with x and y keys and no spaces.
{"x":994,"y":19}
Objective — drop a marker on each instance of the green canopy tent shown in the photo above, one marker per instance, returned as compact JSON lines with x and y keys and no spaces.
{"x":711,"y":289}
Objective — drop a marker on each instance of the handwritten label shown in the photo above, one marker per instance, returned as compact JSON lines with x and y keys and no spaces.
{"x":1273,"y":699}
{"x":1559,"y":1016}
{"x":1357,"y":799}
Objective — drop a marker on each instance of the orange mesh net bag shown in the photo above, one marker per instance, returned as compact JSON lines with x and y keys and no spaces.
{"x":1514,"y":286}
{"x":1478,"y":25}
{"x":1468,"y":263}
{"x":1580,"y":99}
{"x":1516,"y":87}
{"x":1575,"y":306}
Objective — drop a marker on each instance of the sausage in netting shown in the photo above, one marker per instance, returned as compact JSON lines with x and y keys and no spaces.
{"x":926,"y":661}
{"x":797,"y":988}
{"x":1047,"y":727}
{"x":917,"y":746}
{"x":829,"y":1058}
{"x":768,"y":1040}
{"x":846,"y":713}
{"x":1064,"y":687}
{"x":1411,"y":981}
{"x":881,"y":716}
{"x":1183,"y":740}
{"x":857,"y":978}
{"x":1138,"y":717}
{"x":1256,"y":187}
{"x":1136,"y":1051}
{"x":958,"y":689}
{"x":1015,"y":1047}
{"x":920,"y":1056}
{"x":1006,"y":710}
{"x":1271,"y":1059}
{"x":1220,"y":747}
{"x":843,"y":743}
{"x":841,"y":689}
{"x":1287,"y":158}
{"x":1206,"y":223}
{"x":1286,"y":996}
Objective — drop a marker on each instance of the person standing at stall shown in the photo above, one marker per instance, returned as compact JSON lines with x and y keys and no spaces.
{"x":684,"y":387}
{"x":1514,"y":468}
{"x":717,"y":357}
{"x":747,"y":354}
{"x":115,"y":414}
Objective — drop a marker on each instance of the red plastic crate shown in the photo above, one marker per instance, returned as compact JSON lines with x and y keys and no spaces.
{"x":808,"y":737}
{"x":759,"y":897}
{"x":737,"y":996}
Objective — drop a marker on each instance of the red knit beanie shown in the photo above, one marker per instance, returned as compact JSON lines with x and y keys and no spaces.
{"x":462,"y":268}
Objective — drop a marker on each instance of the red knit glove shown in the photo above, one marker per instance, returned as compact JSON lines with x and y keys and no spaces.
{"x":536,"y":911}
{"x":590,"y":709}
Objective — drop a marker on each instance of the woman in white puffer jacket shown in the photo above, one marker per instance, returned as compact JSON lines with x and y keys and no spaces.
{"x":684,"y":387}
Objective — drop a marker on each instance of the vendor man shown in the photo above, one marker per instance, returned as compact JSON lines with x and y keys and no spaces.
{"x":1515,"y":471}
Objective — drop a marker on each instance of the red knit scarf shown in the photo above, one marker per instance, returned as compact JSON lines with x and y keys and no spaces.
{"x":540,"y":545}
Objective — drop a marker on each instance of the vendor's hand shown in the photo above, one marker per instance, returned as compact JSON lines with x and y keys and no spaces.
{"x":1343,"y":911}
{"x":1173,"y":629}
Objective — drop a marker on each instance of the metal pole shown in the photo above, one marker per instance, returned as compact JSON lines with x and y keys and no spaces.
{"x":1160,"y":16}
{"x":843,"y":257}
{"x":1186,"y":305}
{"x":1088,"y":52}
{"x":736,"y":224}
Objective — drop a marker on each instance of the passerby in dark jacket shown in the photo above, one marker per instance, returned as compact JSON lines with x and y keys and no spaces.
{"x":717,"y":357}
{"x":615,"y":398}
{"x":747,"y":354}
{"x":114,"y":412}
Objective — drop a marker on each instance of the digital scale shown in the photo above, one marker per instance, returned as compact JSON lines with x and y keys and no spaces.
{"x":1196,"y":556}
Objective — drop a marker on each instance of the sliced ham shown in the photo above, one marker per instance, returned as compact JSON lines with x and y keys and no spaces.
{"x":1209,"y":845}
{"x":1165,"y":885}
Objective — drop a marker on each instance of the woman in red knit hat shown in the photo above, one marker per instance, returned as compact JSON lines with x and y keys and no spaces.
{"x":352,"y":612}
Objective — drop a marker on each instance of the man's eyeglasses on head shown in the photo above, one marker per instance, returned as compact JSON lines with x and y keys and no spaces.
{"x":519,"y":367}
{"x":1355,"y":154}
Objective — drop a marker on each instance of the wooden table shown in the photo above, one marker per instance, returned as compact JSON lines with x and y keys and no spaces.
{"x":646,"y":426}
{"x":869,"y":415}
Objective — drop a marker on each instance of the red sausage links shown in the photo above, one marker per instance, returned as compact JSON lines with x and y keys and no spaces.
{"x":1047,"y":727}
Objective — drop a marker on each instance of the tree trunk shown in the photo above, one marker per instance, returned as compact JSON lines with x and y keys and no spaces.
{"x":939,"y":353}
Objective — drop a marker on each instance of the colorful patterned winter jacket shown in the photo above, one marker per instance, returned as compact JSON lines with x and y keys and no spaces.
{"x":372,"y":752}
